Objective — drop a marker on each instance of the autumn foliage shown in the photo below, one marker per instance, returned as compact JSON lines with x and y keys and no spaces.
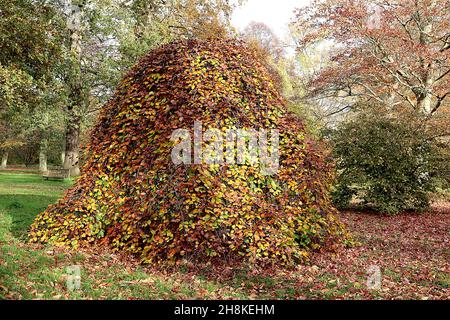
{"x":389,"y":52}
{"x":132,"y":197}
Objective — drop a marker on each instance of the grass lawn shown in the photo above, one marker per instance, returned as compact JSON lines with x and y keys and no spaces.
{"x":411,"y":251}
{"x":22,"y":196}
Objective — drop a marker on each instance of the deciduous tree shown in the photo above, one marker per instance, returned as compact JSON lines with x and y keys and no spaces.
{"x":396,"y":53}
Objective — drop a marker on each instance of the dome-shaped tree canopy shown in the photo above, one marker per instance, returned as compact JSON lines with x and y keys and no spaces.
{"x":133,"y":196}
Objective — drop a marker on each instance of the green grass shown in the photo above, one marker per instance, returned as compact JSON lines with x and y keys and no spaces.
{"x":27,"y":183}
{"x":23,"y":196}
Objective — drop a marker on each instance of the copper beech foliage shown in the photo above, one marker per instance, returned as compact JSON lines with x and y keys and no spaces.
{"x":132,"y":197}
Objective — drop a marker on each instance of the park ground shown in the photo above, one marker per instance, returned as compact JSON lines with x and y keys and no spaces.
{"x":411,"y":250}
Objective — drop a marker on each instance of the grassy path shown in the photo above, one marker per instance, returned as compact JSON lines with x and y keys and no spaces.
{"x":411,"y":251}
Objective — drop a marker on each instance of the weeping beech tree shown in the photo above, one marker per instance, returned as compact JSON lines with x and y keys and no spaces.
{"x":133,"y":197}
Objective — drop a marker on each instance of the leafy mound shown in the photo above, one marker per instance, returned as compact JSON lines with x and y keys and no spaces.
{"x":133,"y":197}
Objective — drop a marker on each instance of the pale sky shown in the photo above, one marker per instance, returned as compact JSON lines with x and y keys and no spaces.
{"x":274,"y":13}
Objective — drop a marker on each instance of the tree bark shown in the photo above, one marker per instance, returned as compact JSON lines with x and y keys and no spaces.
{"x":4,"y":160}
{"x":43,"y":153}
{"x":72,"y":151}
{"x":424,"y":101}
{"x":42,"y":161}
{"x":77,"y":102}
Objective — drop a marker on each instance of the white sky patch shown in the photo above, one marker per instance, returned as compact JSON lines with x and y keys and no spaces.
{"x":277,"y":14}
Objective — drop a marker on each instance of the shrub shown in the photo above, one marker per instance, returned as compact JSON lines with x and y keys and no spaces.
{"x":389,"y":164}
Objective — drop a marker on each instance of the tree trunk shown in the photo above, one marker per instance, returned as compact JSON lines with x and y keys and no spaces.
{"x":76,"y":95}
{"x":4,"y":159}
{"x":43,"y":153}
{"x":424,"y":101}
{"x":42,"y":161}
{"x":72,"y":152}
{"x":63,"y":157}
{"x":425,"y":104}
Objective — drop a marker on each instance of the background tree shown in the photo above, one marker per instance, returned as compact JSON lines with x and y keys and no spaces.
{"x":392,"y":52}
{"x":264,"y":38}
{"x":29,"y":38}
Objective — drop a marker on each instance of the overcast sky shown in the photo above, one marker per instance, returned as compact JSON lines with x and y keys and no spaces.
{"x":274,"y":13}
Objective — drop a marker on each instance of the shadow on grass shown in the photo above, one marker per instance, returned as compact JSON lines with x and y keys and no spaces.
{"x":23,"y":209}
